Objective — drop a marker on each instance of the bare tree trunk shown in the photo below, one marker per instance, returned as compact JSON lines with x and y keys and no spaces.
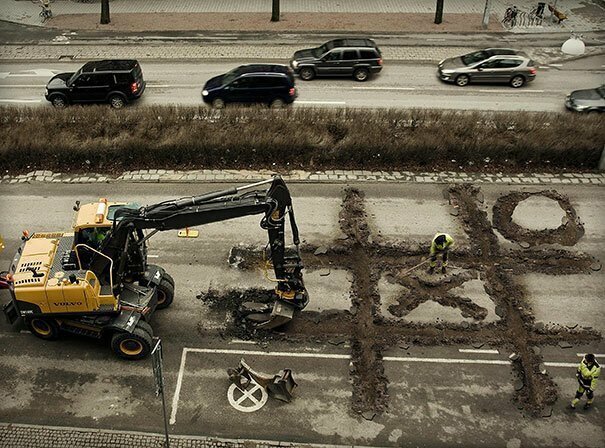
{"x":439,"y":12}
{"x":105,"y":12}
{"x":275,"y":11}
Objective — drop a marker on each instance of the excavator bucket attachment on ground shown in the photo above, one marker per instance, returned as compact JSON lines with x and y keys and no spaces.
{"x":259,"y":316}
{"x":282,"y":386}
{"x":278,"y":386}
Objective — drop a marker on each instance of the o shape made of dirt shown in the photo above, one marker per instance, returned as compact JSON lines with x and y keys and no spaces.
{"x":567,"y":234}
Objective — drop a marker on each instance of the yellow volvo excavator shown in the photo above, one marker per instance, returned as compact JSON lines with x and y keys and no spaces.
{"x":96,"y":281}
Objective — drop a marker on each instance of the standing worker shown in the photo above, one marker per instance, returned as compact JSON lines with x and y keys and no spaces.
{"x":440,"y":245}
{"x":587,"y":374}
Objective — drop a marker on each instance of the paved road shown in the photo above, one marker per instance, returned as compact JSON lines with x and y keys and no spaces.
{"x":398,"y":86}
{"x":438,"y":395}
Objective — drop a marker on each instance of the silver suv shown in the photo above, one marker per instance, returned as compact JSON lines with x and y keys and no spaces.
{"x":492,"y":65}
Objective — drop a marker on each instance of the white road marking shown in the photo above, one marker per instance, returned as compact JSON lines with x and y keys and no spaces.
{"x":544,"y":67}
{"x":448,"y":360}
{"x":561,"y":364}
{"x":25,"y":332}
{"x":247,"y":395}
{"x":153,"y":256}
{"x":20,"y":101}
{"x":473,"y":350}
{"x":164,"y":86}
{"x":384,"y":88}
{"x":240,"y":341}
{"x":598,"y":355}
{"x":508,"y":91}
{"x":556,"y":65}
{"x":179,"y":382}
{"x":36,"y":72}
{"x":320,"y":102}
{"x":22,"y":86}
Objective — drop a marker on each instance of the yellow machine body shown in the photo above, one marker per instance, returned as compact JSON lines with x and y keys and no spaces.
{"x":40,"y":280}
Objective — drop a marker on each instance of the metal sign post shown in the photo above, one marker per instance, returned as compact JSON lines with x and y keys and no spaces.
{"x":156,"y":359}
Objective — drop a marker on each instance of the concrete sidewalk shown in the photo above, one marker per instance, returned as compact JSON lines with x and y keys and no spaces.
{"x":583,"y":15}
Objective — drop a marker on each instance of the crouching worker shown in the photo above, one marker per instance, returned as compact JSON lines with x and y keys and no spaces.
{"x":587,"y":375}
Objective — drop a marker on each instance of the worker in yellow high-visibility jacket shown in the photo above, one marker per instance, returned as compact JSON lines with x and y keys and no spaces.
{"x":587,"y":375}
{"x":440,"y":245}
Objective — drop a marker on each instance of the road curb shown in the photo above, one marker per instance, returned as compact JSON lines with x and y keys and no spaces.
{"x":18,"y":435}
{"x":328,"y":176}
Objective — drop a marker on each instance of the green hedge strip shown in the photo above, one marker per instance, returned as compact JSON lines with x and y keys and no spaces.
{"x":100,"y":139}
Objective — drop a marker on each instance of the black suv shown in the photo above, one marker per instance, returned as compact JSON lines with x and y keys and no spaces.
{"x":357,"y":57}
{"x":272,"y":84}
{"x":116,"y":82}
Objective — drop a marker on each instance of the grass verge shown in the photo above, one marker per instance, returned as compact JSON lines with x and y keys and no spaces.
{"x":98,"y":139}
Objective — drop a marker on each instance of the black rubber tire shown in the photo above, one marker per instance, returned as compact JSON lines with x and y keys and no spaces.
{"x":307,"y":73}
{"x":58,"y":101}
{"x":218,"y":103}
{"x":462,"y":80}
{"x":361,"y":74}
{"x":43,"y":328}
{"x":168,"y":277}
{"x":117,"y":101}
{"x":145,"y":326}
{"x":132,"y":346}
{"x":277,"y":103}
{"x":165,"y":293}
{"x":517,"y":81}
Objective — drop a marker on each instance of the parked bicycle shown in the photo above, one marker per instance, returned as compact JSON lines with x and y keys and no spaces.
{"x":510,"y":16}
{"x":46,"y":12}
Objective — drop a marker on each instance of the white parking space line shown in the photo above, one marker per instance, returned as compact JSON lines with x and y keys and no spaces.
{"x":153,"y":256}
{"x":473,"y":350}
{"x":240,"y":341}
{"x":556,"y":65}
{"x":321,"y":102}
{"x":259,"y":353}
{"x":448,"y":360}
{"x":179,"y":382}
{"x":598,"y":355}
{"x":20,"y":101}
{"x":561,"y":364}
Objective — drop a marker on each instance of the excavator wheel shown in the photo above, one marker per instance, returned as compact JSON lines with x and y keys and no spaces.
{"x":145,"y":326}
{"x":132,"y":346}
{"x":168,"y":277}
{"x":43,"y":328}
{"x":165,"y":293}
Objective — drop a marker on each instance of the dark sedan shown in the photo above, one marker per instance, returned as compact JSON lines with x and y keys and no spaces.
{"x":589,"y":100}
{"x":492,"y":65}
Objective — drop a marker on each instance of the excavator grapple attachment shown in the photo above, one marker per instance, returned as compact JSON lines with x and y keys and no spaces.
{"x":279,"y":386}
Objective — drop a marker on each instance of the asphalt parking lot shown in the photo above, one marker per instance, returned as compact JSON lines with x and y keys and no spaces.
{"x":380,"y":358}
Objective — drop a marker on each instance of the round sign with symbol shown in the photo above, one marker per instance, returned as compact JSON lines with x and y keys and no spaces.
{"x":249,"y":400}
